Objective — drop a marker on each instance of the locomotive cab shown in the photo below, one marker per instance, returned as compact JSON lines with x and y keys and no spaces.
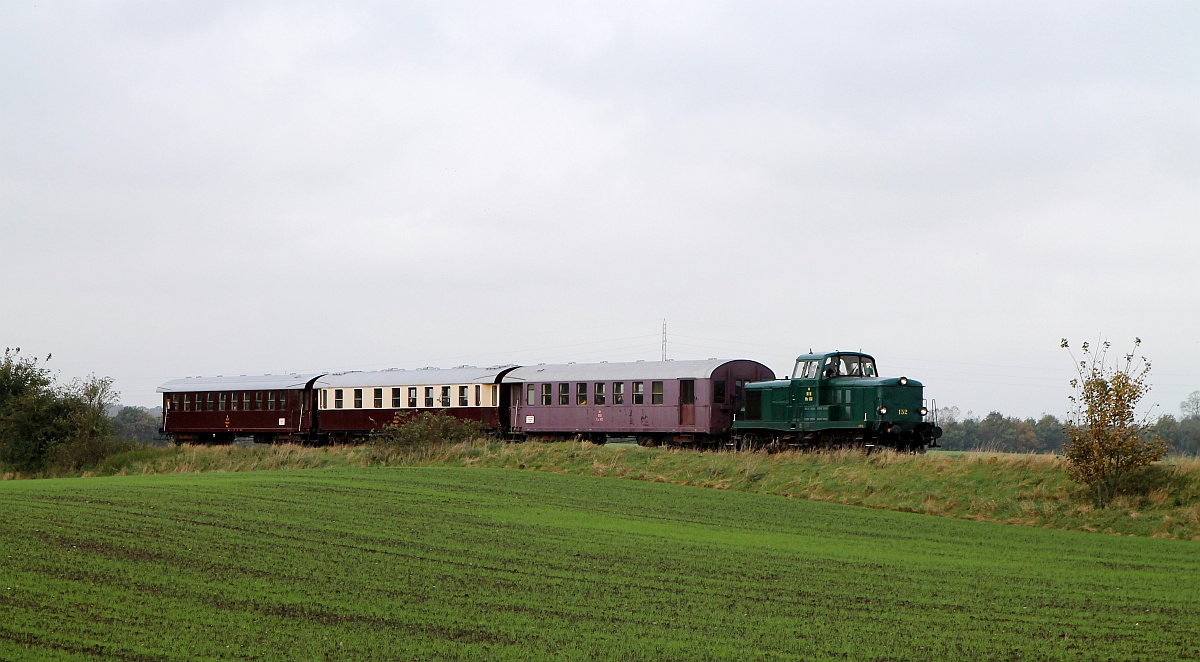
{"x":837,"y":399}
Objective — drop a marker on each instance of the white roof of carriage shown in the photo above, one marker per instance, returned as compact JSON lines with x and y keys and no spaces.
{"x":639,"y":370}
{"x":421,"y":377}
{"x":238,"y":383}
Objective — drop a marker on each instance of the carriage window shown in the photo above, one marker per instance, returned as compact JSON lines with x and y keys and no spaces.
{"x":358,"y":398}
{"x":270,"y":399}
{"x":187,"y":402}
{"x":208,"y":402}
{"x":337,"y":398}
{"x":564,"y":394}
{"x":687,"y":391}
{"x":464,"y":396}
{"x":478,"y":395}
{"x":445,"y":396}
{"x":283,"y":399}
{"x":639,"y":396}
{"x":599,"y":394}
{"x":233,"y":401}
{"x":428,"y":396}
{"x":618,"y":393}
{"x":581,"y":394}
{"x":397,"y":397}
{"x":412,"y":396}
{"x":656,"y":393}
{"x":377,"y":398}
{"x":719,"y":391}
{"x":221,"y":402}
{"x":246,"y":401}
{"x":547,"y":394}
{"x":324,"y":398}
{"x":531,"y":395}
{"x":495,"y":395}
{"x":257,"y":400}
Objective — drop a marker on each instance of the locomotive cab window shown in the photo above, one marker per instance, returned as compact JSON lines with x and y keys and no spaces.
{"x":805,"y":370}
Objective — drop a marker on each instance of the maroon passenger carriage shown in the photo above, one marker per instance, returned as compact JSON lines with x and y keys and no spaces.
{"x":217,"y":409}
{"x":352,"y":404}
{"x":655,"y":401}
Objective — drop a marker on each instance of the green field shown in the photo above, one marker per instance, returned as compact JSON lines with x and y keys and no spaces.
{"x":446,"y":563}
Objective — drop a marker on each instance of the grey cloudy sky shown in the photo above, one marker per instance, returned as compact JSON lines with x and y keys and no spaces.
{"x":200,"y":188}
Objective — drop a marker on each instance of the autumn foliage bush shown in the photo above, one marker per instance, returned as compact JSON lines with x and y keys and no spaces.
{"x":1109,"y":447}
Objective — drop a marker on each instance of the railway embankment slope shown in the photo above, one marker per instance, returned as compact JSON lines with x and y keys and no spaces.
{"x":1027,"y":490}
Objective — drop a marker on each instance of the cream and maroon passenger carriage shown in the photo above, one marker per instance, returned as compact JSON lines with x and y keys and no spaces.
{"x":352,"y":404}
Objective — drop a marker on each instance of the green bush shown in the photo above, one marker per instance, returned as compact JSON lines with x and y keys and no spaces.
{"x":45,"y":426}
{"x":426,"y":429}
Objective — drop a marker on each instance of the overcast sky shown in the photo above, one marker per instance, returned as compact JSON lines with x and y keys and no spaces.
{"x":202,"y":188}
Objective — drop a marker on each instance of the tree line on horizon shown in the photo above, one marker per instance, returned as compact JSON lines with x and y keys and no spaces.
{"x":996,"y":432}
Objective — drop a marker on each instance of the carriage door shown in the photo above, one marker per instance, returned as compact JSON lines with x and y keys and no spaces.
{"x":687,"y":402}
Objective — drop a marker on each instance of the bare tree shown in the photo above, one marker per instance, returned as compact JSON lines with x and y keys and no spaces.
{"x":1191,"y":406}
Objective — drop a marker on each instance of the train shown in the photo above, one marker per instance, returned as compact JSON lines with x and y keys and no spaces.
{"x":830,"y":399}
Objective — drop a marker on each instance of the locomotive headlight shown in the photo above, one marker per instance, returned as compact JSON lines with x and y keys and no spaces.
{"x":883,"y":411}
{"x":903,"y":381}
{"x":923,"y":411}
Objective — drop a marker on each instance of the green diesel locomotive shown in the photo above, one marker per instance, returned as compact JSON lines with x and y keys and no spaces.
{"x":835,"y":399}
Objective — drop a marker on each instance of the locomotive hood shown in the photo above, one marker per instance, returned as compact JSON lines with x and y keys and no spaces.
{"x":872,"y":381}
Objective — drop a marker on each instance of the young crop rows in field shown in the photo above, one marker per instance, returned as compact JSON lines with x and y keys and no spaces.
{"x":439,"y":563}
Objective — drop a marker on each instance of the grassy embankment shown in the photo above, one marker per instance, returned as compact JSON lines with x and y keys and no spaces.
{"x":1030,"y":490}
{"x":437,"y":563}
